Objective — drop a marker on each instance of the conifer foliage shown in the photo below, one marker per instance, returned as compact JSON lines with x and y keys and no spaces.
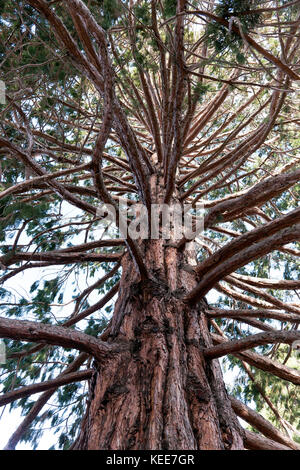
{"x":158,"y":101}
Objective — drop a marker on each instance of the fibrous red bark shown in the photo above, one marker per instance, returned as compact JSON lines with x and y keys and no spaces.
{"x":160,"y":393}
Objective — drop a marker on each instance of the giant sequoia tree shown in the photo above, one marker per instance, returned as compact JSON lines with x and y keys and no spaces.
{"x":140,"y":102}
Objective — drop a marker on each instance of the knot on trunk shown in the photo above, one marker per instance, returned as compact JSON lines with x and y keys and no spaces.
{"x":194,"y":387}
{"x":147,"y":289}
{"x":113,"y":392}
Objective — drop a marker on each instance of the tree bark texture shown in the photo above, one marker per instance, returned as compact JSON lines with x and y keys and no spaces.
{"x":160,"y":393}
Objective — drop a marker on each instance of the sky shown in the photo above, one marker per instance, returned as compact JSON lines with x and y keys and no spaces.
{"x":9,"y":420}
{"x":20,"y":287}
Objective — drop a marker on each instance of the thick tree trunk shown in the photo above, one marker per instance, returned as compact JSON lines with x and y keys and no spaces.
{"x":161,"y":394}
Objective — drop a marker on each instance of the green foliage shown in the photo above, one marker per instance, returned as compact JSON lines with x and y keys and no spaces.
{"x":220,"y":37}
{"x":227,"y":8}
{"x":169,"y":8}
{"x":200,"y":91}
{"x":34,"y":54}
{"x":95,"y":327}
{"x":283,"y":395}
{"x":110,"y":11}
{"x":65,"y":106}
{"x":142,"y":13}
{"x":44,"y":297}
{"x":13,"y":213}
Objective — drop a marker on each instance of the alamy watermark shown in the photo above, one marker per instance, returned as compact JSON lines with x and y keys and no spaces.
{"x":2,"y":352}
{"x":2,"y":92}
{"x":160,"y":221}
{"x":296,"y":347}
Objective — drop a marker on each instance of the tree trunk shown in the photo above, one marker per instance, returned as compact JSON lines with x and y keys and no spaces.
{"x":161,"y":394}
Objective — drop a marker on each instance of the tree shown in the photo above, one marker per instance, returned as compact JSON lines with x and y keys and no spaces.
{"x":144,"y":103}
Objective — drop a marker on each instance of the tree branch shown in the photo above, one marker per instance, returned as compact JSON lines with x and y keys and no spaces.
{"x":264,"y":363}
{"x":56,"y":257}
{"x":253,"y":441}
{"x":40,"y":403}
{"x":251,"y":341}
{"x":261,"y":424}
{"x":252,"y":313}
{"x":238,"y":252}
{"x":48,"y":384}
{"x":24,"y":330}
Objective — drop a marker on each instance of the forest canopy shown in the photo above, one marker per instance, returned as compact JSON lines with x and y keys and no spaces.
{"x":132,"y":101}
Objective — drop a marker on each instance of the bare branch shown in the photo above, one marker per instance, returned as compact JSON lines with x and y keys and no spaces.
{"x":40,"y":403}
{"x":24,"y":330}
{"x":254,"y":441}
{"x":43,"y":386}
{"x":251,"y":341}
{"x":265,"y":364}
{"x":261,"y":424}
